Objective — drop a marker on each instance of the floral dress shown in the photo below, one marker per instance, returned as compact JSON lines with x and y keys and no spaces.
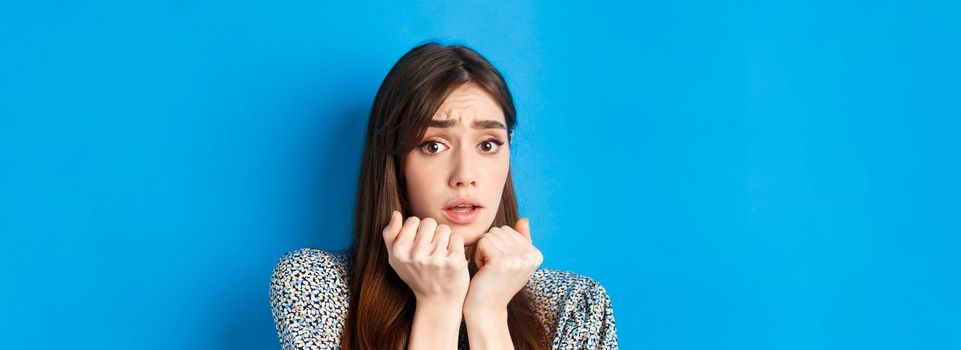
{"x":310,"y":294}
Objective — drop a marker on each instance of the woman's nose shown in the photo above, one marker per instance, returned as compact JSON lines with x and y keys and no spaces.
{"x":463,"y":174}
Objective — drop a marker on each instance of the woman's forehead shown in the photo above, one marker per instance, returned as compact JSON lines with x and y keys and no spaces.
{"x":468,"y":103}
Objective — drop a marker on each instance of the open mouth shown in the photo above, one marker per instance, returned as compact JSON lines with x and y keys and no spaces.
{"x":463,"y":214}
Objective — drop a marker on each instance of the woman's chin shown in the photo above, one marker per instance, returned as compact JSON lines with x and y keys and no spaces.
{"x":470,"y":239}
{"x":471,"y":243}
{"x":471,"y":232}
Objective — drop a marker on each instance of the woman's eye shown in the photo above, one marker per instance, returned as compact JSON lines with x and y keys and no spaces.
{"x":432,"y":147}
{"x":491,"y":146}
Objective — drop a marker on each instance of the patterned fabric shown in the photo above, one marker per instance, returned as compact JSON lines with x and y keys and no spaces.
{"x":310,"y":293}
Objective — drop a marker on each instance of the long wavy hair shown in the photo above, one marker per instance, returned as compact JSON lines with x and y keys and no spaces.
{"x":382,"y":306}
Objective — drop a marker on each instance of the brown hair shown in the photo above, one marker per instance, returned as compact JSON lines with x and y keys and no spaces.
{"x":381,"y":308}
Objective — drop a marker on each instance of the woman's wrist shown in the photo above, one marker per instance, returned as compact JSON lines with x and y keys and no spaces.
{"x":485,"y":309}
{"x":436,"y":324}
{"x":440,"y":310}
{"x":490,"y":314}
{"x":487,"y":328}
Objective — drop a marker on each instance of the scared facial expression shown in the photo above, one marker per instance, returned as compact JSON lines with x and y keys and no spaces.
{"x":457,"y":173}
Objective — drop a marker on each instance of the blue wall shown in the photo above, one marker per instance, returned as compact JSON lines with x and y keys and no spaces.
{"x":747,"y":175}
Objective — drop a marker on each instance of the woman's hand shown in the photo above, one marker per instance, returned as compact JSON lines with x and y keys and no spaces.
{"x":429,"y":258}
{"x":505,"y":258}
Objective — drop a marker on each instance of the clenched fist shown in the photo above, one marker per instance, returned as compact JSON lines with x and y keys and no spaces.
{"x":429,"y":258}
{"x":505,"y":258}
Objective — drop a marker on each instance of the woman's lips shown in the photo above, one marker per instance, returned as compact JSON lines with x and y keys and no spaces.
{"x":462,"y":215}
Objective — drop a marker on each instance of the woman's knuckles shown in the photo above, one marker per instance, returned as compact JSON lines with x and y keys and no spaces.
{"x":518,"y":261}
{"x":410,"y":224}
{"x":429,"y":262}
{"x":538,"y":257}
{"x":428,"y":221}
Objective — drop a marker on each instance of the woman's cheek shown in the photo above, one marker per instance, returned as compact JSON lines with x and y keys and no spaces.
{"x":418,"y":180}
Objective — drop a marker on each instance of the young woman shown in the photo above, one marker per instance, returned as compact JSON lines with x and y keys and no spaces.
{"x":440,"y":258}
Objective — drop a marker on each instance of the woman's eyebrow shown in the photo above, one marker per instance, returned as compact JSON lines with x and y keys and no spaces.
{"x":478,"y":124}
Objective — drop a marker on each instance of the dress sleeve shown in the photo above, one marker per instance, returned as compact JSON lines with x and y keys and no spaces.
{"x":602,"y":315}
{"x":587,"y":320}
{"x":308,"y":298}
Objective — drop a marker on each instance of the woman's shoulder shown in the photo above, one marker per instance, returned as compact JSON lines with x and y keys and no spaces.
{"x":561,"y":284}
{"x":574,"y":307}
{"x":314,"y":256}
{"x":309,"y":296}
{"x":327,"y":270}
{"x":312,"y":265}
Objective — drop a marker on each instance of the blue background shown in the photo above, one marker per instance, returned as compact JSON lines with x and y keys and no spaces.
{"x":745,"y":175}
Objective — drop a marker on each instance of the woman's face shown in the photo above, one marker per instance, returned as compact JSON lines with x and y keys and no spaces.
{"x":464,"y":155}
